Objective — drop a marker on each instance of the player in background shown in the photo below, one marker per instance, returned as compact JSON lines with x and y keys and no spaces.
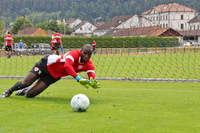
{"x":52,"y":67}
{"x":138,"y":48}
{"x":94,"y":46}
{"x":20,"y":47}
{"x":8,"y":44}
{"x":58,"y":43}
{"x":54,"y":49}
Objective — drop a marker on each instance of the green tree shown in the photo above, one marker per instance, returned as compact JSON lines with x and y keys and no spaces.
{"x":20,"y":23}
{"x":2,"y":26}
{"x":48,"y":25}
{"x":53,"y":26}
{"x":64,"y":30}
{"x":43,"y":25}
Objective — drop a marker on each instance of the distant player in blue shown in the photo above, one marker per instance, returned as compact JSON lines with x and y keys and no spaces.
{"x":20,"y":47}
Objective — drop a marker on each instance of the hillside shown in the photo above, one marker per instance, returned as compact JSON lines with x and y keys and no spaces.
{"x":101,"y":10}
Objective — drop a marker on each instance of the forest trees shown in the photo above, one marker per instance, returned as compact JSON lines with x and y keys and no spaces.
{"x":44,"y":10}
{"x":20,"y":23}
{"x":53,"y":26}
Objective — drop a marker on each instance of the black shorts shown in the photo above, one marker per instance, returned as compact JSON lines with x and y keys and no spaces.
{"x":8,"y":48}
{"x":56,"y":47}
{"x":40,"y":69}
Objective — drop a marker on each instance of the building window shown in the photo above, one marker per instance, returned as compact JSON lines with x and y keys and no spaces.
{"x":181,"y":17}
{"x":182,"y":26}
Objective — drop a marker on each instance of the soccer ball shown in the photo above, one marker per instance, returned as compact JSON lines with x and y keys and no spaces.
{"x":80,"y":103}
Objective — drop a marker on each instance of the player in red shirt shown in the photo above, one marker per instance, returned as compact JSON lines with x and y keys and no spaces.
{"x":94,"y":46}
{"x":53,"y":45}
{"x":8,"y":43}
{"x":51,"y":68}
{"x":58,"y":43}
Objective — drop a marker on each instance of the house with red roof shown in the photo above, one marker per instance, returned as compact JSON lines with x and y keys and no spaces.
{"x":32,"y":31}
{"x":171,"y":15}
{"x":147,"y":31}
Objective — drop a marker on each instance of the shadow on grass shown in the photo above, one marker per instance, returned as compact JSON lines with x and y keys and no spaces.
{"x":57,"y":100}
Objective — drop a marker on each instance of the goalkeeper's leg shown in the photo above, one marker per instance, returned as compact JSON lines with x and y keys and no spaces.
{"x":30,"y":78}
{"x":39,"y":87}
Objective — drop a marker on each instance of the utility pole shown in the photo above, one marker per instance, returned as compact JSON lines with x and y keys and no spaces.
{"x":24,"y":23}
{"x":64,"y":26}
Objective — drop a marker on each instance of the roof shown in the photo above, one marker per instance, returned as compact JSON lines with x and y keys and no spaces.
{"x":135,"y":31}
{"x":33,"y":32}
{"x":27,"y":31}
{"x":165,"y":32}
{"x":171,"y":7}
{"x":195,"y":19}
{"x":99,"y":24}
{"x":70,"y":20}
{"x":114,"y":22}
{"x":147,"y":31}
{"x":80,"y":25}
{"x":190,"y":33}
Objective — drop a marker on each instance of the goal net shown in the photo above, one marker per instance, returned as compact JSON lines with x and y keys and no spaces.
{"x":151,"y":64}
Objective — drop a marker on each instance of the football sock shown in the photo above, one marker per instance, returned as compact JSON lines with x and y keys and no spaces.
{"x":16,"y":87}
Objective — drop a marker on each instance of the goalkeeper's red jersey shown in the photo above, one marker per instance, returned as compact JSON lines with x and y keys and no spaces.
{"x":58,"y":37}
{"x":69,"y":64}
{"x":8,"y":38}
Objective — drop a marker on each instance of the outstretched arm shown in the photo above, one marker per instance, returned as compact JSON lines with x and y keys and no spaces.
{"x":69,"y":67}
{"x":70,"y":70}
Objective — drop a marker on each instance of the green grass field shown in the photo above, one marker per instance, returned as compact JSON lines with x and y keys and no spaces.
{"x":119,"y":106}
{"x":166,"y":66}
{"x":129,"y":107}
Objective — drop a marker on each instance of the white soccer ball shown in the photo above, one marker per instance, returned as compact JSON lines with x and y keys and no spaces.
{"x":80,"y":103}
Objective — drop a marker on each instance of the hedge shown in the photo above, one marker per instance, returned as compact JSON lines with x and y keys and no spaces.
{"x":103,"y":42}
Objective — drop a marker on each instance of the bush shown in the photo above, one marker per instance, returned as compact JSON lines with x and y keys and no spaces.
{"x":103,"y":42}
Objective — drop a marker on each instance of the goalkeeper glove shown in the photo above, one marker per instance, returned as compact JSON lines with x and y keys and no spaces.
{"x":82,"y":81}
{"x":94,"y":84}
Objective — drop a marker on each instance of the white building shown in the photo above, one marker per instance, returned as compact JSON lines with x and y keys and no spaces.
{"x":136,"y":21}
{"x":171,"y":15}
{"x":73,"y":22}
{"x":110,"y":25}
{"x":193,"y":34}
{"x":85,"y":28}
{"x":195,"y":23}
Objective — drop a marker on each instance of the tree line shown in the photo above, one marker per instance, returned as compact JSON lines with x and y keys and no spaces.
{"x":92,"y":10}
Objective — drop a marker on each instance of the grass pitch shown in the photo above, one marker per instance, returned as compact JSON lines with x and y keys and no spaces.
{"x":165,"y":65}
{"x":128,"y":107}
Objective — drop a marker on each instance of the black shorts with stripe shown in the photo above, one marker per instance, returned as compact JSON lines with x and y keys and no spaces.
{"x":56,"y":47}
{"x":8,"y":48}
{"x":40,"y":69}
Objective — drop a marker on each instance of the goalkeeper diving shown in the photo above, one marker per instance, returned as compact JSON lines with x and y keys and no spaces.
{"x":52,"y":67}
